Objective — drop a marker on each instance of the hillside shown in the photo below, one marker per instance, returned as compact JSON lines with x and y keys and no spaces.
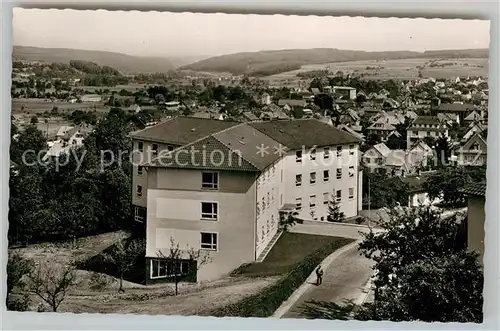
{"x":122,"y":62}
{"x":272,"y":62}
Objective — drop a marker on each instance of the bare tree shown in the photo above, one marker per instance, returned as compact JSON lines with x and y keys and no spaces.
{"x":51,"y":282}
{"x":176,"y":256}
{"x":124,"y":256}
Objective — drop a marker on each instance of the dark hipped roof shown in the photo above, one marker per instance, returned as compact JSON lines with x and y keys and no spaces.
{"x":292,"y":102}
{"x":182,"y":130}
{"x":307,"y":133}
{"x":477,"y":189}
{"x":241,"y":148}
{"x":455,"y":107}
{"x":248,"y":141}
{"x":207,"y":153}
{"x":427,"y":120}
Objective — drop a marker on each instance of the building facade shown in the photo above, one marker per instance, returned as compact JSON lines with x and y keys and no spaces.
{"x":425,"y":126}
{"x":225,"y":192}
{"x":476,"y":217}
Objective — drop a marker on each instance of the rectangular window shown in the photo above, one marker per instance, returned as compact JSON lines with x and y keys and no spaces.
{"x":312,"y":200}
{"x":339,"y":151}
{"x":155,"y":149}
{"x":339,"y":173}
{"x":415,"y":133}
{"x":139,"y":190}
{"x":298,"y":180}
{"x":282,"y":175}
{"x":170,"y":148}
{"x":351,"y":192}
{"x":351,"y":171}
{"x":351,"y":149}
{"x":380,"y":162}
{"x":140,"y":146}
{"x":312,"y":154}
{"x":298,"y":203}
{"x":325,"y":198}
{"x":209,"y":210}
{"x":210,"y":180}
{"x":428,"y":133}
{"x":209,"y":241}
{"x":326,"y":175}
{"x":158,"y":269}
{"x":139,"y":170}
{"x":298,"y":156}
{"x":183,"y":268}
{"x":312,"y":178}
{"x":338,"y":196}
{"x":326,"y":152}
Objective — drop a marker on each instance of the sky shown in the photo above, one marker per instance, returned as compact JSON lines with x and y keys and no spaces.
{"x":190,"y":34}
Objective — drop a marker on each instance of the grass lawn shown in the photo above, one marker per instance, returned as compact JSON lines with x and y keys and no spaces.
{"x":289,"y":250}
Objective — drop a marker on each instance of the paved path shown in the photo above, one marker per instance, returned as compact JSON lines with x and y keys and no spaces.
{"x":345,"y":278}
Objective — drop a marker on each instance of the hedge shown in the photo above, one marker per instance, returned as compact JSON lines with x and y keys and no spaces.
{"x":267,"y":301}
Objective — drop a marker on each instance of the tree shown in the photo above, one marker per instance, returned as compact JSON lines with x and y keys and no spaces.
{"x":176,"y":256}
{"x":372,"y":139}
{"x":334,"y":213}
{"x":324,"y":101}
{"x":31,"y":139}
{"x":17,"y":268}
{"x":34,"y":119}
{"x":124,"y":256}
{"x":443,"y":150}
{"x":446,"y":183}
{"x":51,"y":282}
{"x":111,"y":135}
{"x":288,"y":221}
{"x":423,"y":271}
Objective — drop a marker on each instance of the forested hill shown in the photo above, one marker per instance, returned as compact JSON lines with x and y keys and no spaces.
{"x":272,"y":62}
{"x":122,"y":62}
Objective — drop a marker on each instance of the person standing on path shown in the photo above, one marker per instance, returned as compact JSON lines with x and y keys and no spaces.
{"x":319,"y":275}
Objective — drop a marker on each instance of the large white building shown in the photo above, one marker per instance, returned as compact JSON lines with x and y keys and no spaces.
{"x":225,"y":189}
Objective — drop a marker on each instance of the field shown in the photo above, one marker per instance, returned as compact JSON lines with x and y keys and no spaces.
{"x":398,"y":69}
{"x":98,"y":293}
{"x":289,"y":250}
{"x":36,"y":106}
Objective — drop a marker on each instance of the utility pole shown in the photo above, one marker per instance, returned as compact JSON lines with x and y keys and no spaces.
{"x":369,"y":203}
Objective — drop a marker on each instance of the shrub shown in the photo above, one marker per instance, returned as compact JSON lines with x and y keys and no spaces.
{"x":267,"y":301}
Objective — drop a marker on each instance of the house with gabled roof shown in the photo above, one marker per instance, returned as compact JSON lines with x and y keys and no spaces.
{"x":354,"y":130}
{"x":383,"y":129}
{"x":476,"y":127}
{"x":473,"y":117}
{"x":249,"y":116}
{"x":350,"y":117}
{"x":448,"y":118}
{"x":459,"y":109}
{"x":223,"y":187}
{"x":375,"y":156}
{"x":425,"y":126}
{"x":288,"y":104}
{"x":473,"y":152}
